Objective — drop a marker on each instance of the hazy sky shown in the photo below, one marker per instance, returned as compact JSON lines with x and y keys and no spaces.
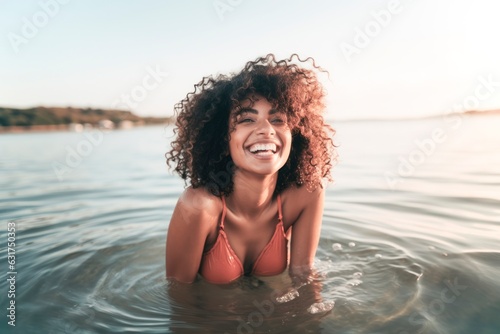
{"x":386,"y":58}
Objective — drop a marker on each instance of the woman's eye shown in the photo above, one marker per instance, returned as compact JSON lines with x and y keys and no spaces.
{"x":278,"y":120}
{"x":245,"y":120}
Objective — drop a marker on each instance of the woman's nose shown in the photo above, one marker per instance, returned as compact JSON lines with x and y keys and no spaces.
{"x":265,"y":128}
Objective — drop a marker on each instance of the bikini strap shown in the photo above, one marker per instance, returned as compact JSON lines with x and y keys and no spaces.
{"x":223,"y":213}
{"x":280,"y":215}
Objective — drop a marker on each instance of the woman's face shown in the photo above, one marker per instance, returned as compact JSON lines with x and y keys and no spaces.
{"x":261,"y":140}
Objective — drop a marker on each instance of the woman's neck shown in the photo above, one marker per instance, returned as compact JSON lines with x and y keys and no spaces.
{"x":252,"y":194}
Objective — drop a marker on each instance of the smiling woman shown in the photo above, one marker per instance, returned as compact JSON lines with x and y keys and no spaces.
{"x":254,"y":150}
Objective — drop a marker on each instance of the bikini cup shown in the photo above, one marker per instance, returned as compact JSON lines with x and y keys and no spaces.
{"x":221,"y":265}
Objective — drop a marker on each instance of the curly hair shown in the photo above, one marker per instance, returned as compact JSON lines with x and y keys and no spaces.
{"x":203,"y":124}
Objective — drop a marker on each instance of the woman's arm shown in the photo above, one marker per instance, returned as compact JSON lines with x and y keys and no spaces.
{"x":306,"y":232}
{"x":195,"y":214}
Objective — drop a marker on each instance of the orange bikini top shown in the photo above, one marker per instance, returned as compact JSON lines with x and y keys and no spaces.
{"x":220,"y":264}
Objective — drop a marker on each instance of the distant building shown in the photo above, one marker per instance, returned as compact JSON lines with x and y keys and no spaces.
{"x":106,"y":124}
{"x":125,"y":125}
{"x":76,"y":127}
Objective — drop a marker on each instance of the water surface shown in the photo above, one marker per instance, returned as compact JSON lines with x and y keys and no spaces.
{"x":410,"y":238}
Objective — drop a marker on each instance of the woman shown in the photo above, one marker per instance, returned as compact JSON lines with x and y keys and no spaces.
{"x":255,"y":150}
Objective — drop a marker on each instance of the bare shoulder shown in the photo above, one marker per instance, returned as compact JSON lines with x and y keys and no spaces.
{"x":299,"y":202}
{"x":200,"y":199}
{"x":198,"y":206}
{"x":301,"y":197}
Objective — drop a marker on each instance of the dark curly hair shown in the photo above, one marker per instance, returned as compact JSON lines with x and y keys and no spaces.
{"x":201,"y":150}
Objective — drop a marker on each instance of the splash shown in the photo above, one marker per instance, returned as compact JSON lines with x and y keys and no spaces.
{"x":337,"y":247}
{"x":289,"y":296}
{"x":321,"y":307}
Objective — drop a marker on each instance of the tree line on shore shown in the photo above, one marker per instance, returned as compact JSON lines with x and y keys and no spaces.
{"x":68,"y":115}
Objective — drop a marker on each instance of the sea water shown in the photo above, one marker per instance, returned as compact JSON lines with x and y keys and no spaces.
{"x":410,"y":241}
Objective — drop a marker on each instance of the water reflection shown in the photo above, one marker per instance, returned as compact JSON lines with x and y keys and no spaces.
{"x":249,"y":305}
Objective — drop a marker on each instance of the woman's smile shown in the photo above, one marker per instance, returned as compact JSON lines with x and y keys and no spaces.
{"x":264,"y":150}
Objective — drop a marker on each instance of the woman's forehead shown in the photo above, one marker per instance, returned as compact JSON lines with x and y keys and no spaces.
{"x":252,"y":103}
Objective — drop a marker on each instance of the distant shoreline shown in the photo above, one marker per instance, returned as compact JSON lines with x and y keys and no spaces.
{"x":62,"y":128}
{"x":494,"y":112}
{"x":48,"y":119}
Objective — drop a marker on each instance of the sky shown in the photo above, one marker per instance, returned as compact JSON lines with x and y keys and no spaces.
{"x":386,"y":59}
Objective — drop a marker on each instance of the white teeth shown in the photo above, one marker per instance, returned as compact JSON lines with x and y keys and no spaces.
{"x":264,"y":153}
{"x":263,"y":147}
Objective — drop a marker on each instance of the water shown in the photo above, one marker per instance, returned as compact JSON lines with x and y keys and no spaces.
{"x":410,"y":241}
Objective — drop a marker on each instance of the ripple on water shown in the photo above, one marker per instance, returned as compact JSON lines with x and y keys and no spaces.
{"x":371,"y":284}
